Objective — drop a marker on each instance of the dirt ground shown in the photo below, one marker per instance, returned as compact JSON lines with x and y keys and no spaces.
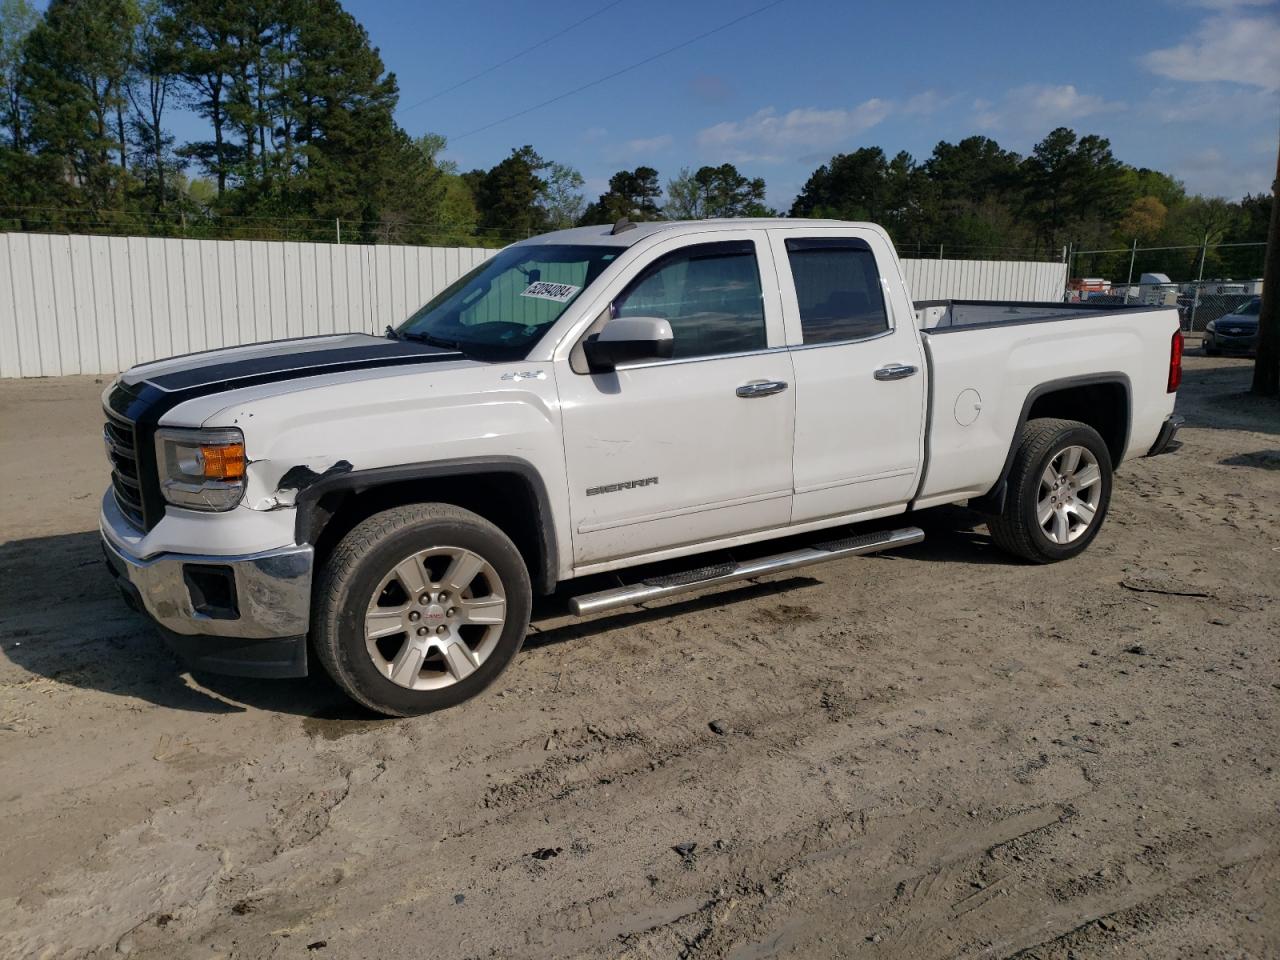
{"x":933,"y":753}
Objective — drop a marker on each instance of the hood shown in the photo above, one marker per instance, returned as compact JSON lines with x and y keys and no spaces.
{"x":1244,"y":321}
{"x":148,"y":391}
{"x":234,"y":367}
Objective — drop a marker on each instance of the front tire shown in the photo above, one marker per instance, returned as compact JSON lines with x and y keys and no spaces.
{"x":419,"y":608}
{"x":1058,"y":491}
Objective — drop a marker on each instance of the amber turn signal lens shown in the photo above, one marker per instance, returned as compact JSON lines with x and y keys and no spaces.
{"x":224,"y":461}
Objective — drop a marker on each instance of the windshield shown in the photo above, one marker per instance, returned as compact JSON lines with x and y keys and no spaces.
{"x":502,"y":307}
{"x":1250,"y":307}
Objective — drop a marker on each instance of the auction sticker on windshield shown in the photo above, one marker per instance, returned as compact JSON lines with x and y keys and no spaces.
{"x":559,"y":292}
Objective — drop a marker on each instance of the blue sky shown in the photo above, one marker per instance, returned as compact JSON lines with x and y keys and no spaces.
{"x":1191,"y":87}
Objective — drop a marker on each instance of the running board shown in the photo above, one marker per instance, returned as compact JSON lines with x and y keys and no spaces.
{"x":657,"y":588}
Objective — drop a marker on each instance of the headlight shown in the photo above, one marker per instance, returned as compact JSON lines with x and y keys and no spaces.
{"x":1210,"y":326}
{"x":201,"y":469}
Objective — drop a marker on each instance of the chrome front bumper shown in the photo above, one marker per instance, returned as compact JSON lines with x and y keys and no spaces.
{"x":271,"y":597}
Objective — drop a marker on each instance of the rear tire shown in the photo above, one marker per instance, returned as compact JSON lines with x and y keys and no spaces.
{"x":1057,"y":493}
{"x":419,"y":608}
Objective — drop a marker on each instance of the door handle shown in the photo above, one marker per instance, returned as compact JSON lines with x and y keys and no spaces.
{"x":761,"y":388}
{"x":895,"y":371}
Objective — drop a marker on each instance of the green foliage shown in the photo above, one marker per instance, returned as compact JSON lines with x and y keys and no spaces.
{"x":715,"y":192}
{"x":17,"y":19}
{"x":633,"y":194}
{"x":562,"y":199}
{"x":300,"y":135}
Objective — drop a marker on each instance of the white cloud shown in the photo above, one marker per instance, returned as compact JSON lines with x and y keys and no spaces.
{"x":1217,"y":104}
{"x":929,"y":102}
{"x":1221,"y":173}
{"x":1228,"y":48}
{"x":767,"y":135}
{"x":1040,"y":107}
{"x":648,"y":144}
{"x":1229,"y":4}
{"x":639,"y":148}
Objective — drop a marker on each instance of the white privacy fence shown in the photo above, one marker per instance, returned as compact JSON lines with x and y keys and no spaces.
{"x":80,"y":304}
{"x":76,"y":304}
{"x":985,"y":279}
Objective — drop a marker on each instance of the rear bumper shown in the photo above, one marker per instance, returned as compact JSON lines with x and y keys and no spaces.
{"x":1165,"y":441}
{"x":242,"y":615}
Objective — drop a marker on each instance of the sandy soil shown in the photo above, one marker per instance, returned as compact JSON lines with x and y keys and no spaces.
{"x":937,"y":753}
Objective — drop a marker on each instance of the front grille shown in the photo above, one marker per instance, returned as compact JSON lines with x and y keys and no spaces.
{"x":122,"y":450}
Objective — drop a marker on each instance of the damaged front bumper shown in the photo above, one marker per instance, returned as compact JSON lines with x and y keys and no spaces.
{"x":246,"y":615}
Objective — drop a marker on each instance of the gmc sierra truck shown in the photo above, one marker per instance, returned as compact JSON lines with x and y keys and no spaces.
{"x":647,"y":397}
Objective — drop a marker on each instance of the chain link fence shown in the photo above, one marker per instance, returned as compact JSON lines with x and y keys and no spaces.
{"x":1204,"y":281}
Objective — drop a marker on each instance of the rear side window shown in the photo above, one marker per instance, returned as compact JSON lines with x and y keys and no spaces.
{"x":709,"y":293}
{"x":838,"y":289}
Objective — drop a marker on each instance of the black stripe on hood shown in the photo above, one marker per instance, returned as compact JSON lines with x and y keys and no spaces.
{"x":147,"y":400}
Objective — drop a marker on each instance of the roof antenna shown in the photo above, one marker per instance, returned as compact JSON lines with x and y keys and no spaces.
{"x":622,"y":226}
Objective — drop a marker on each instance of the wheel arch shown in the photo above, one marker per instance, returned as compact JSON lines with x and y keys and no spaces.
{"x":1104,"y":401}
{"x":507,"y":491}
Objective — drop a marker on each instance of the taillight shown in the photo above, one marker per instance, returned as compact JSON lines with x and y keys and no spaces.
{"x":1175,"y":362}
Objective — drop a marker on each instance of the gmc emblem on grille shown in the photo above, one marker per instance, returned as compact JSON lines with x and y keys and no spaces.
{"x":625,"y":485}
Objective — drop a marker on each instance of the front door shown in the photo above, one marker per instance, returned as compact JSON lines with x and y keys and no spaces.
{"x":666,"y":453}
{"x":859,"y":369}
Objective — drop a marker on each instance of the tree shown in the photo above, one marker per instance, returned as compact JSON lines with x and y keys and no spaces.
{"x":715,"y":192}
{"x":205,"y":50}
{"x":509,"y":195}
{"x":149,"y":85}
{"x":632,"y":194}
{"x":1075,"y":188}
{"x":1143,"y":221}
{"x":866,"y":185}
{"x":75,"y":66}
{"x":562,"y":199}
{"x":1266,"y":368}
{"x":17,"y":19}
{"x":340,"y":141}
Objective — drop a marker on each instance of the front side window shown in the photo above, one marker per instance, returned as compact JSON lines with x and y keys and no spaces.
{"x":837,"y":288}
{"x":502,"y":307}
{"x":709,"y":293}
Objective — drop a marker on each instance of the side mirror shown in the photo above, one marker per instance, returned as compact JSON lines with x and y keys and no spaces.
{"x":629,"y":339}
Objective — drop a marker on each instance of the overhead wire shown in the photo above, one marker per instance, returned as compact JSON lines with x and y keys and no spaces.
{"x":617,"y":73}
{"x":511,"y":59}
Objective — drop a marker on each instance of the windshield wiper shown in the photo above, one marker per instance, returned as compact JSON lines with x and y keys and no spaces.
{"x":426,"y":338}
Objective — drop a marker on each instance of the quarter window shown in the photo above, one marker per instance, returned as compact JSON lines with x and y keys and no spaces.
{"x":709,"y":293}
{"x":838,"y":289}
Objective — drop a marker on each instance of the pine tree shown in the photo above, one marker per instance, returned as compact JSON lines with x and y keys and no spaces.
{"x":75,"y":66}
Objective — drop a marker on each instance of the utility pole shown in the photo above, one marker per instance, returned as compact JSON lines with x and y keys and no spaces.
{"x":1266,"y":368}
{"x":1128,"y":284}
{"x":1195,"y":293}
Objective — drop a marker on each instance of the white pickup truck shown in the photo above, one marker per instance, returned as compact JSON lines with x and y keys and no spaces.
{"x":600,"y":400}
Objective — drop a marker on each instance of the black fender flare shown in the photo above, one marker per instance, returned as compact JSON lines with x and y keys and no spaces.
{"x":992,"y":502}
{"x":360,"y":481}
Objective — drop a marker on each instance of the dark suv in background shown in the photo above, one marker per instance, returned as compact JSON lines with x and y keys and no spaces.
{"x":1234,"y":332}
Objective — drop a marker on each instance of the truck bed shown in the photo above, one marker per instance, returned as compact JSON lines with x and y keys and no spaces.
{"x":939,"y":315}
{"x":986,"y":359}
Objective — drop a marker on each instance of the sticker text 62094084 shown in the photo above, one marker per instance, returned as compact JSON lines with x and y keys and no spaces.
{"x":559,"y":292}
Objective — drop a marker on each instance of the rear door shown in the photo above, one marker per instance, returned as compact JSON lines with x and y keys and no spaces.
{"x":662,"y":454}
{"x":859,"y":368}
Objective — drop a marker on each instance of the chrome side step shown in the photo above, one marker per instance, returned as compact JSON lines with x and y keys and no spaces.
{"x":672,"y":585}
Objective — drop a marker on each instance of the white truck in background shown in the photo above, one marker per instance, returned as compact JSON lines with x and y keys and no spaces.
{"x":647,"y":400}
